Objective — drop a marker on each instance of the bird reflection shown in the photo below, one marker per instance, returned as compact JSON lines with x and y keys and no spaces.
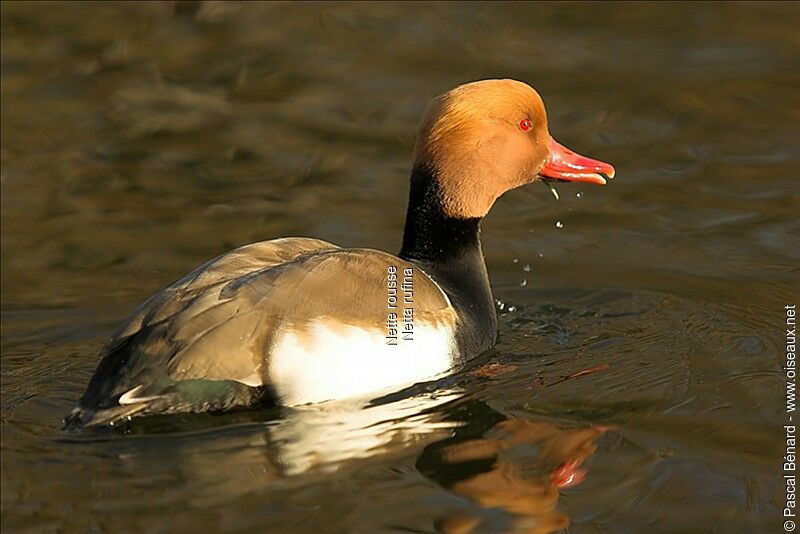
{"x":323,"y":437}
{"x":499,"y":463}
{"x":518,"y":466}
{"x":243,"y":454}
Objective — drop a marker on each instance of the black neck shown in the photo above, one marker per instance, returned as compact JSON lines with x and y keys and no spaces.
{"x":449,"y":250}
{"x":430,"y":235}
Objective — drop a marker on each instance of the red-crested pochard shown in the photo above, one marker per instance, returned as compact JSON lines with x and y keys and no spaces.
{"x":299,"y":320}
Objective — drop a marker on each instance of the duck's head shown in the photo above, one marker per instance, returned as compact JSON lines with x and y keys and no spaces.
{"x":485,"y":138}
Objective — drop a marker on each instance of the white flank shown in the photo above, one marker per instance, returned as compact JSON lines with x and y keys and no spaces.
{"x":129,"y":397}
{"x":327,"y":361}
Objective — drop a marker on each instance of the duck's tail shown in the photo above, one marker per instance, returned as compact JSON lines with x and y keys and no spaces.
{"x":194,"y":395}
{"x":81,"y":417}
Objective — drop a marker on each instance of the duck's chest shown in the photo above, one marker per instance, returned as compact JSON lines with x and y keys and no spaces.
{"x":325,"y":360}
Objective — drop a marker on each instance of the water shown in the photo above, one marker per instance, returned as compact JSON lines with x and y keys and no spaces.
{"x":638,"y":379}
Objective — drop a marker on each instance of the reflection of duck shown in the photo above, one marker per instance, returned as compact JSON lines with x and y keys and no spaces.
{"x":323,"y":437}
{"x":482,"y":469}
{"x":299,"y":320}
{"x":245,"y":455}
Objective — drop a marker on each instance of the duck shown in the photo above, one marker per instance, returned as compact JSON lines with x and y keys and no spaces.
{"x":298,"y":320}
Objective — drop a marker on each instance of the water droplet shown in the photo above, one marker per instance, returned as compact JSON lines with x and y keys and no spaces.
{"x":559,"y":224}
{"x":524,"y":282}
{"x":527,"y":268}
{"x":541,"y":254}
{"x":515,"y":260}
{"x":578,"y":194}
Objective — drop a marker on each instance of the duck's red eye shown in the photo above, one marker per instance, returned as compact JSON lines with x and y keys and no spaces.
{"x":525,"y":125}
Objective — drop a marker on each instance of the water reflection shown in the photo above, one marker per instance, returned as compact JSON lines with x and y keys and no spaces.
{"x":512,"y":464}
{"x":518,"y":466}
{"x":321,"y":438}
{"x":242,"y":455}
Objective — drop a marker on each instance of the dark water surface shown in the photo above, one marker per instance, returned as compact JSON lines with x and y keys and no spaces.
{"x":638,"y":381}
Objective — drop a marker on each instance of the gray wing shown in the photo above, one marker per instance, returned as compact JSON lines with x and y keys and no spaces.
{"x":244,"y":260}
{"x":173,"y":320}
